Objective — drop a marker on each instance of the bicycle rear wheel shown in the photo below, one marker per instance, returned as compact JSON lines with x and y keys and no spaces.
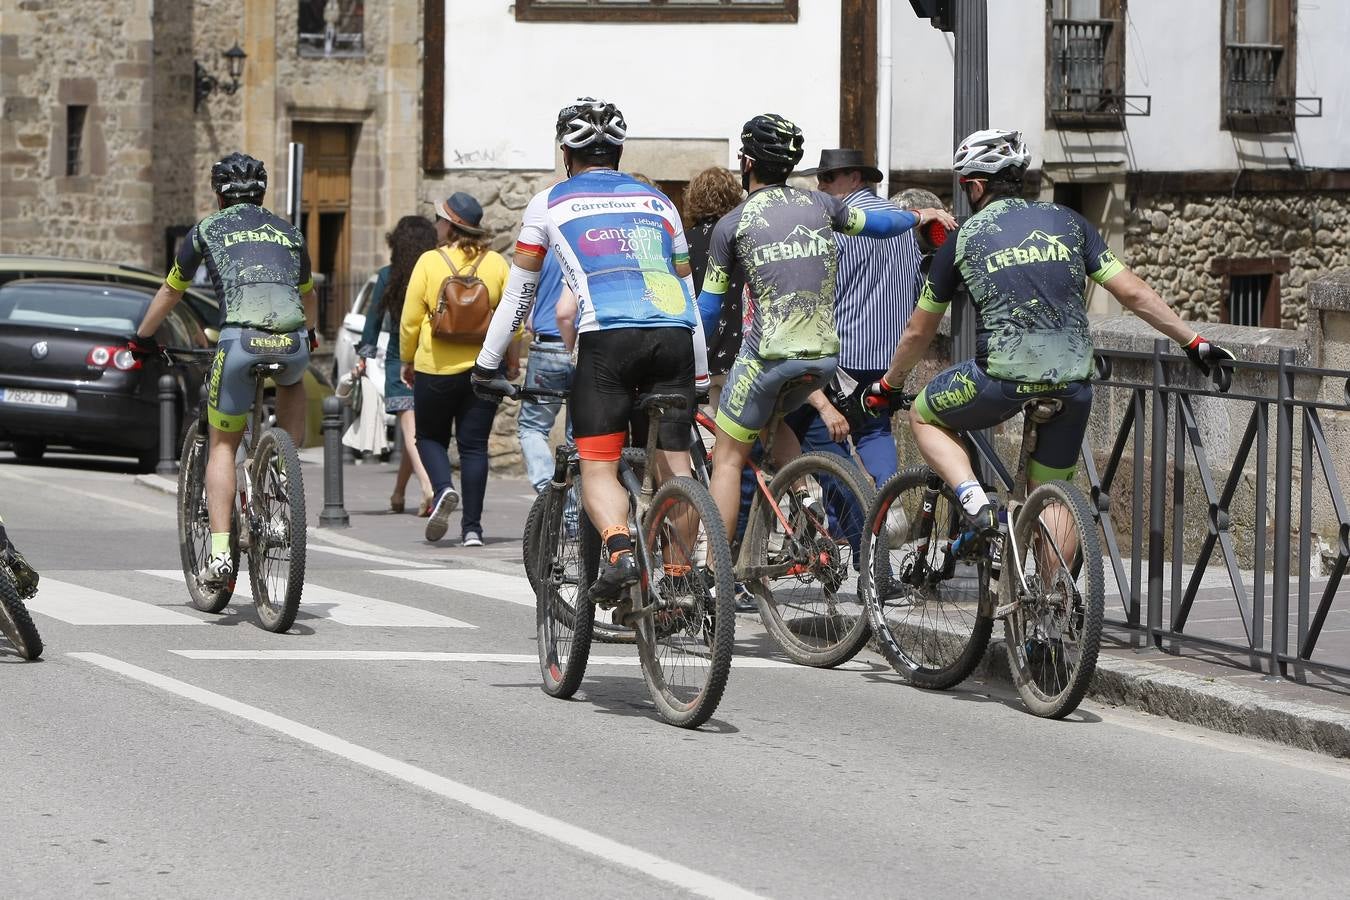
{"x":806,"y":579}
{"x":1054,"y":630}
{"x":276,"y":551}
{"x":194,"y":526}
{"x":686,"y":630}
{"x":15,"y":622}
{"x":932,"y":614}
{"x":563,"y":612}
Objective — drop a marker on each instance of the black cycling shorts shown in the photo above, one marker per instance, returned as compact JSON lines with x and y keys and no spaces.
{"x":967,"y":398}
{"x":615,"y":366}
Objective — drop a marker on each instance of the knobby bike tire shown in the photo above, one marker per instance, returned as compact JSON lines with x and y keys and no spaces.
{"x":712,"y":624}
{"x":529,"y":538}
{"x":278,"y":491}
{"x":843,"y":635}
{"x":1032,"y":661}
{"x":194,"y":527}
{"x":564,"y":614}
{"x":936,"y":636}
{"x":15,"y":621}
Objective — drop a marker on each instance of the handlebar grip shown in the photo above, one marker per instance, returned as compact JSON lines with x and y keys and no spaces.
{"x":1223,"y":376}
{"x":873,"y":402}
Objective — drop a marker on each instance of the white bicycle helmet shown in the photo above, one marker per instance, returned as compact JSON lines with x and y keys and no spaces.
{"x":588,"y":122}
{"x":989,"y":152}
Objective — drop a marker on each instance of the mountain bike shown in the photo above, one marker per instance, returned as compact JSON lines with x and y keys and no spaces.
{"x":799,"y":555}
{"x":15,"y":621}
{"x":681,"y":607}
{"x":268,"y":519}
{"x":934,"y":588}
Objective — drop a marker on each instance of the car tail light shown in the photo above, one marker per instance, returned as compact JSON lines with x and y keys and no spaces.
{"x":120,"y":358}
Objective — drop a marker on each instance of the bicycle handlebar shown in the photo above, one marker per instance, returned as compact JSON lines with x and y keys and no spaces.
{"x":522,"y":393}
{"x":896,"y":401}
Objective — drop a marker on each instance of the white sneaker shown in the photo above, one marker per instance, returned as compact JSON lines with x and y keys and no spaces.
{"x":445,"y":504}
{"x":472,"y":539}
{"x":218,"y":572}
{"x":897,"y":527}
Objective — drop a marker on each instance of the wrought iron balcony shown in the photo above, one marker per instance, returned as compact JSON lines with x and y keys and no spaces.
{"x":1086,"y":77}
{"x":1256,"y":96}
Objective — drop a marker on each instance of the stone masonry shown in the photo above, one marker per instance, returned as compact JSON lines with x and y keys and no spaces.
{"x":1170,"y":240}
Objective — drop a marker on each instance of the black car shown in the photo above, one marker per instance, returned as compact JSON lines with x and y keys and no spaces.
{"x":66,"y":375}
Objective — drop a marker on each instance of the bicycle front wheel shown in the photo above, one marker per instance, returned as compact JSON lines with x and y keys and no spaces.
{"x":564,"y":613}
{"x":931,"y":611}
{"x":194,"y":526}
{"x":276,"y":551}
{"x":15,"y":622}
{"x":805,"y":573}
{"x":1054,"y":629}
{"x":686,"y":630}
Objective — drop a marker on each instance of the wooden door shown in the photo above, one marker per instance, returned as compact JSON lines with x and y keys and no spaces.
{"x":326,"y":213}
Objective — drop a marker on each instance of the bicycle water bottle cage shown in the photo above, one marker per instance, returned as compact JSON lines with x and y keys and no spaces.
{"x":1043,"y":410}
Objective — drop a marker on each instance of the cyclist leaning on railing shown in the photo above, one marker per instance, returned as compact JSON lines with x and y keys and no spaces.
{"x":260,"y":268}
{"x":1025,"y":264}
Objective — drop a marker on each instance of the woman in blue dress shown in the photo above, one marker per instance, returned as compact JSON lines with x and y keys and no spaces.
{"x":411,"y":237}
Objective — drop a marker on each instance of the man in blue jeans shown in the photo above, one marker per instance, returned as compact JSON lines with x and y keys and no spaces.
{"x":549,"y":368}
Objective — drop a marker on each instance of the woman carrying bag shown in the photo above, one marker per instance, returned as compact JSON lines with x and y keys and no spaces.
{"x":446,"y":311}
{"x":411,"y":237}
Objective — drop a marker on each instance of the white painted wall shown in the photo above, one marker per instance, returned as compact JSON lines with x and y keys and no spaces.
{"x":505,"y":80}
{"x":1172,"y":53}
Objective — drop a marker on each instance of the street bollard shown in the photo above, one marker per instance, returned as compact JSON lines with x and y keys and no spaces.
{"x":168,"y":426}
{"x":334,"y":515}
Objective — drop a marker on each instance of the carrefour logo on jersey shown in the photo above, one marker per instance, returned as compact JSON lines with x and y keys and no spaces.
{"x":593,"y":205}
{"x":801,"y":243}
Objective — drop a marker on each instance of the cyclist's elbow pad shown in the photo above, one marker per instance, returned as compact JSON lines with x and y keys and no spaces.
{"x":884,"y":223}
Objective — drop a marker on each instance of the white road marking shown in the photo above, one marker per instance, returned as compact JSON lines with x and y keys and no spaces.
{"x":611,"y":851}
{"x":87,"y":495}
{"x":739,"y":662}
{"x":370,"y":557}
{"x":492,"y":585}
{"x":344,"y":607}
{"x":85,"y":606}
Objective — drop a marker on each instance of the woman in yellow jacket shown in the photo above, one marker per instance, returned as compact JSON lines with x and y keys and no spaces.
{"x":438,"y":370}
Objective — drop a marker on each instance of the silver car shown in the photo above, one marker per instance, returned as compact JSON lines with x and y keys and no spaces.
{"x":349,"y":335}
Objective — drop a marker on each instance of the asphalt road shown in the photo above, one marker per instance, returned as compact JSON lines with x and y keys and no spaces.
{"x":158,"y":751}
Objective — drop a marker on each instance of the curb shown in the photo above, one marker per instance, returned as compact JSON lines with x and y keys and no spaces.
{"x":1207,"y":702}
{"x":158,"y":483}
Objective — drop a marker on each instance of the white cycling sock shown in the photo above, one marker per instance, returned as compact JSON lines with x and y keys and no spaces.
{"x":972,"y":496}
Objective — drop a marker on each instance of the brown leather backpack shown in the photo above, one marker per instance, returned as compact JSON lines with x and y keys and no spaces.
{"x":464,"y":309}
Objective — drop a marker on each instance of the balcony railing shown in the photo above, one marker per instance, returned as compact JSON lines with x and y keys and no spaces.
{"x":1086,"y":86}
{"x":1253,"y":87}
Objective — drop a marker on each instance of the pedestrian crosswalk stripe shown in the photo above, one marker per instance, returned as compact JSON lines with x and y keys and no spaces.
{"x":344,"y":607}
{"x":80,"y":605}
{"x":369,"y":557}
{"x":739,"y":662}
{"x":492,"y":585}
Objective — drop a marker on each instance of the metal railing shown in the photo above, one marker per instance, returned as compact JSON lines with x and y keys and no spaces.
{"x":1084,"y":87}
{"x":1252,"y":87}
{"x":1270,"y":533}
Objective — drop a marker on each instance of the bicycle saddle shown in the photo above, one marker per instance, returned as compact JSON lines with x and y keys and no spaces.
{"x":662,"y":401}
{"x":1044,"y":409}
{"x":266,"y":368}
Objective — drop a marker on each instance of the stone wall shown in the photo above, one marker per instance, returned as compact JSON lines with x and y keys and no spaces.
{"x":1170,"y":240}
{"x":106,"y":210}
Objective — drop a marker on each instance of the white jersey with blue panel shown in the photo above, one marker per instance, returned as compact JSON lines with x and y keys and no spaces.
{"x":619,"y":243}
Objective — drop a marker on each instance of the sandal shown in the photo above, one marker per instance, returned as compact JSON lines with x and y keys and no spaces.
{"x":396,"y":503}
{"x":425,"y":509}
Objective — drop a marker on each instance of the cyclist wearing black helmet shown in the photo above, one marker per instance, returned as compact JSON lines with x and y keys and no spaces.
{"x":782,"y":238}
{"x":622,"y":251}
{"x":260,"y":269}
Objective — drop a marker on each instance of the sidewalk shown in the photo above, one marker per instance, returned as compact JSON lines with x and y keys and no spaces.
{"x":1197,"y":688}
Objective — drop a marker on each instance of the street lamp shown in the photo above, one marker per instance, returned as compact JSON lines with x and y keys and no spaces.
{"x":205,"y":83}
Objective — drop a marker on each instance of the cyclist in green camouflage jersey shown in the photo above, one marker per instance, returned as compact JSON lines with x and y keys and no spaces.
{"x":261,"y":272}
{"x":1025,"y":264}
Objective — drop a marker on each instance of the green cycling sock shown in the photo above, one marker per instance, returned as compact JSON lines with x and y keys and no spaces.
{"x":220,"y":543}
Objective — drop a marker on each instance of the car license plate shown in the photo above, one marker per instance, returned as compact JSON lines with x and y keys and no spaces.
{"x":34,"y":398}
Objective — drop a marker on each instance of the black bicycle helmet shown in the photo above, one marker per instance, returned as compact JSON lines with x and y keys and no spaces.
{"x":590,"y":123}
{"x":239,"y":177}
{"x":773,"y":141}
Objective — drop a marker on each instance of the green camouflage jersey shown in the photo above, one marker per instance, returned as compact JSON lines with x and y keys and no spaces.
{"x":1024,"y":263}
{"x":257,"y":262}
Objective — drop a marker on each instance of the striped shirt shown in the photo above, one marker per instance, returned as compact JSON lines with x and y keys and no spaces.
{"x":878,"y":284}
